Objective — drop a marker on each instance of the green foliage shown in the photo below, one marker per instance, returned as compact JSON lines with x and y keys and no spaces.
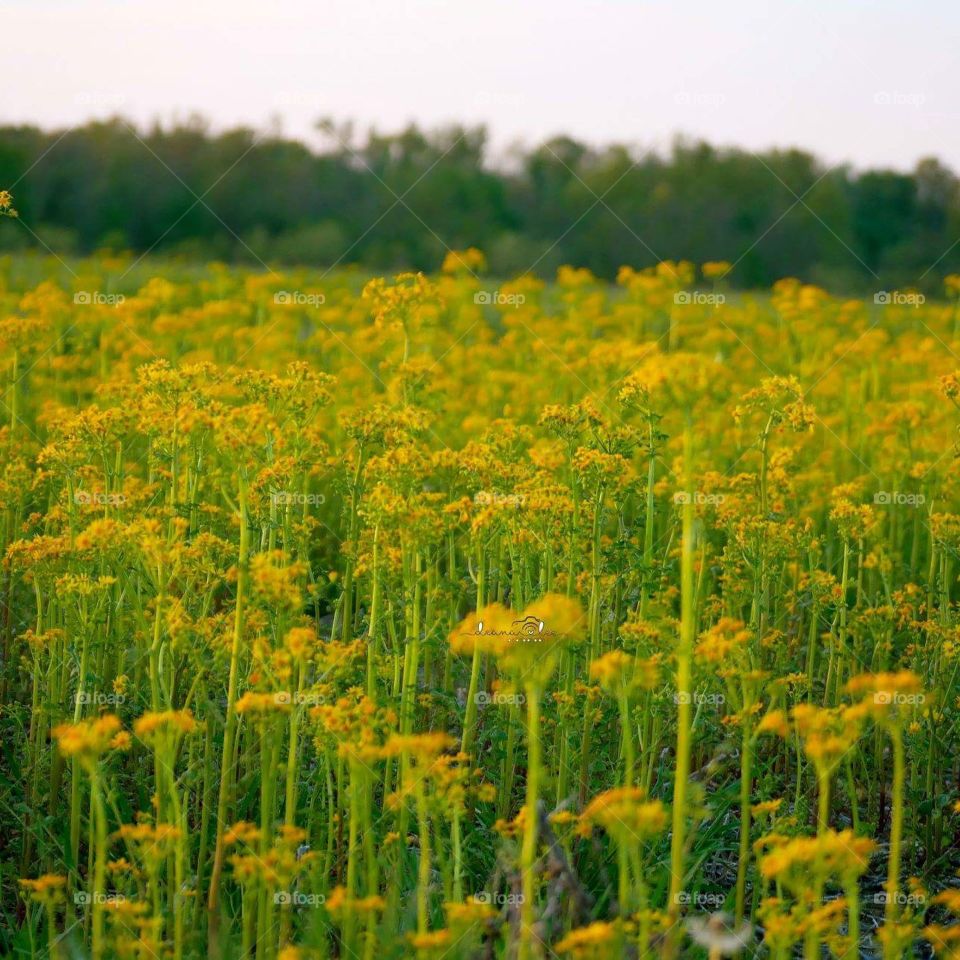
{"x":398,"y":201}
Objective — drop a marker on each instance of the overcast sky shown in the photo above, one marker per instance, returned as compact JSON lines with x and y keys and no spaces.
{"x":874,"y":83}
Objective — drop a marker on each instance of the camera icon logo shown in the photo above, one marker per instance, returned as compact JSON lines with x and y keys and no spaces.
{"x":529,"y":626}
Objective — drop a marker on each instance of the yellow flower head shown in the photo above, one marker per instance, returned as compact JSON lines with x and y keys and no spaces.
{"x":724,"y":642}
{"x":157,"y":724}
{"x":775,"y":721}
{"x":470,"y":260}
{"x":585,"y":943}
{"x":47,"y":889}
{"x":535,"y":639}
{"x":625,"y":813}
{"x":841,"y":854}
{"x":619,"y":673}
{"x":887,"y":694}
{"x":89,"y":739}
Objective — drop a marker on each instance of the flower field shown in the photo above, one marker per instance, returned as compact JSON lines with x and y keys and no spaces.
{"x":443,"y":616}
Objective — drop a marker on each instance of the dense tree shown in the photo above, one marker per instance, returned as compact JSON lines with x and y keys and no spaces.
{"x":400,"y":200}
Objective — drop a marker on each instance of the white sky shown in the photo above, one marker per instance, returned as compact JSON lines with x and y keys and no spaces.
{"x":872,"y":83}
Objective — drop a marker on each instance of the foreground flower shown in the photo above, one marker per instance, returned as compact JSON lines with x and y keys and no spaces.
{"x":587,"y":943}
{"x":47,"y":889}
{"x":89,"y":739}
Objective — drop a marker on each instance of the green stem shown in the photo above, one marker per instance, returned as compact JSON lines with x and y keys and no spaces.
{"x":896,"y":830}
{"x":684,"y":697}
{"x":529,"y":849}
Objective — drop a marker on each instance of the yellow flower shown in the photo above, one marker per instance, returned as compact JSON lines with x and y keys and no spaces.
{"x":618,"y":672}
{"x":487,"y":630}
{"x":241,"y":832}
{"x":148,"y":726}
{"x":470,"y":260}
{"x":532,"y":646}
{"x":949,"y":899}
{"x":301,"y":641}
{"x":433,"y":940}
{"x":945,"y":940}
{"x":263,"y":704}
{"x":587,"y":942}
{"x":47,"y":889}
{"x":723,"y":641}
{"x":468,"y":913}
{"x":89,"y":739}
{"x":766,"y":806}
{"x":626,"y":814}
{"x":716,"y":269}
{"x":838,"y":853}
{"x":774,"y":721}
{"x":423,"y":746}
{"x":339,"y":901}
{"x":886,"y":694}
{"x":827,"y":732}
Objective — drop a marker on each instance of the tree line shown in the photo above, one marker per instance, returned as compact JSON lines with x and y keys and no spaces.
{"x":396,"y":201}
